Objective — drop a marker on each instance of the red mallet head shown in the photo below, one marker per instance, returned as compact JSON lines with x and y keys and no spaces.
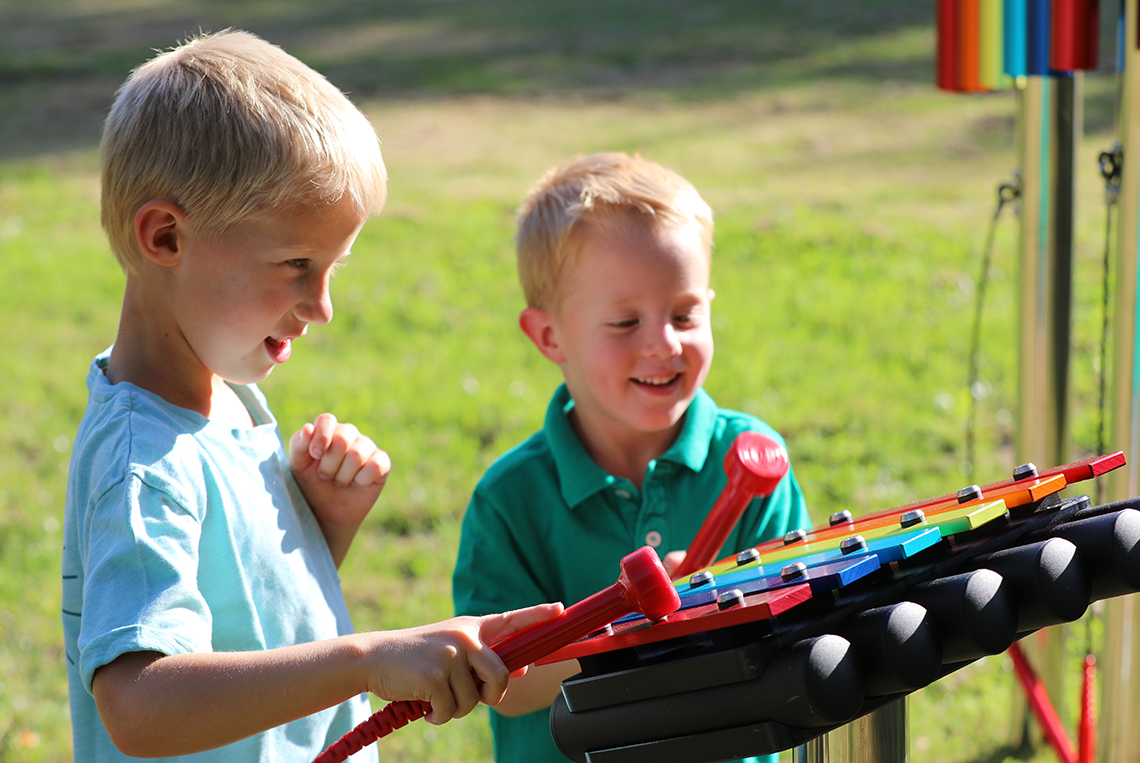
{"x":755,"y":463}
{"x":646,"y":586}
{"x":643,"y":587}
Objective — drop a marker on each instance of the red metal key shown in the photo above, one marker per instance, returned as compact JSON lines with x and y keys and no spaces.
{"x":754,"y":465}
{"x":643,"y":586}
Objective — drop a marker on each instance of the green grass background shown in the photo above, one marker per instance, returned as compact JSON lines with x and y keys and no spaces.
{"x":852,"y":199}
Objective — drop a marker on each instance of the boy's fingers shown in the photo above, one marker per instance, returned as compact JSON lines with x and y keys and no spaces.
{"x":465,"y":684}
{"x":489,"y":695}
{"x":673,"y":560}
{"x":346,"y":471}
{"x":363,"y":463}
{"x":442,"y":708}
{"x":337,"y":449}
{"x":467,"y":693}
{"x":490,"y":674}
{"x":299,"y":457}
{"x":324,"y":427}
{"x":497,"y":627}
{"x":344,"y":454}
{"x":375,"y":470}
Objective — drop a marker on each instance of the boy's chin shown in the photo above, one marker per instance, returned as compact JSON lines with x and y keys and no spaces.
{"x":663,"y":420}
{"x":247,"y":375}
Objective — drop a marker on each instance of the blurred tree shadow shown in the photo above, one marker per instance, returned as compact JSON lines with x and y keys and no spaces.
{"x":61,"y":61}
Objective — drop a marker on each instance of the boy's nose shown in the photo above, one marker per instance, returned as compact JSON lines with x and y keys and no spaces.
{"x":316,"y":307}
{"x":664,"y":341}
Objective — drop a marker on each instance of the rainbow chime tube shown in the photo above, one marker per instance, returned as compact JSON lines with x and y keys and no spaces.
{"x":986,"y":45}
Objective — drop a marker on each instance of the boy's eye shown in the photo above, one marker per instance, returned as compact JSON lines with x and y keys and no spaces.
{"x":300,"y":263}
{"x":626,"y":324}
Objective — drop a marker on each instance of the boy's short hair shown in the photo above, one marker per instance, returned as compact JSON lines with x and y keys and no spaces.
{"x":230,"y":127}
{"x":598,"y":190}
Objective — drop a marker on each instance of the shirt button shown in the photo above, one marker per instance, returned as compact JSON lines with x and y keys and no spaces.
{"x":653,"y":538}
{"x":622,"y":493}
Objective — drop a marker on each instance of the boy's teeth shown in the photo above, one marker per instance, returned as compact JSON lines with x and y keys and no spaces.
{"x":655,"y":382}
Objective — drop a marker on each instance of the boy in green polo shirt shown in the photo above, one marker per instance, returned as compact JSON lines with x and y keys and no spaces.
{"x":614,"y":254}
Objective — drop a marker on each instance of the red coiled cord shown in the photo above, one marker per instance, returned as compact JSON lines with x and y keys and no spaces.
{"x":395,"y":715}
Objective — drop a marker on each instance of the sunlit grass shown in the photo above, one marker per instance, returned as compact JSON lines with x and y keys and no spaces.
{"x":851,"y":202}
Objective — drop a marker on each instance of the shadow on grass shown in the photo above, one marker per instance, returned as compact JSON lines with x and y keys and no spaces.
{"x":61,"y":62}
{"x":1003,"y":755}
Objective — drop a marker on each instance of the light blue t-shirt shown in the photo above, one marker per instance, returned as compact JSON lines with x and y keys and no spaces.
{"x":182,"y":535}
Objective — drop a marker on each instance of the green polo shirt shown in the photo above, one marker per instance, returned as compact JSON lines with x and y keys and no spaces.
{"x":546,"y":523}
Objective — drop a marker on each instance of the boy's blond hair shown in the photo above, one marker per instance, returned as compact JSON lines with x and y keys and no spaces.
{"x":229,"y":128}
{"x":602,"y":190}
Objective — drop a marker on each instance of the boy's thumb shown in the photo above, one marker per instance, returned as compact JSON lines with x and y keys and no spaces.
{"x":299,"y":457}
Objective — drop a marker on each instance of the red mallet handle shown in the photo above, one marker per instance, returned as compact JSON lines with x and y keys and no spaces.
{"x":643,"y":586}
{"x":754,"y":465}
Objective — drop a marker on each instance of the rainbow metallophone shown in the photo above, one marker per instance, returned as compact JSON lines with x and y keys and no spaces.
{"x":796,"y":637}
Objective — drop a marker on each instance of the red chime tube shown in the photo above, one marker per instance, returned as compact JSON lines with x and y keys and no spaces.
{"x":947,"y":50}
{"x":1073,"y":35}
{"x":1042,"y":707}
{"x":1086,"y":735}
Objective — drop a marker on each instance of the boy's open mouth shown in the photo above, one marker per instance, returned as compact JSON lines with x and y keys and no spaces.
{"x":279,"y":349}
{"x":656,"y":383}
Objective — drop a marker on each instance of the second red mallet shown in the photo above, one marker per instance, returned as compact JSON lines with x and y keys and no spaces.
{"x":754,"y":465}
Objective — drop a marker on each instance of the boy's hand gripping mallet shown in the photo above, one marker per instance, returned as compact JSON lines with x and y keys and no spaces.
{"x":643,"y":587}
{"x":754,"y":465}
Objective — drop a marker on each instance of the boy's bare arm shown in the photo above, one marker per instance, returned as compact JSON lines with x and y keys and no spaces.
{"x":162,"y":705}
{"x":537,"y":689}
{"x":341,"y":472}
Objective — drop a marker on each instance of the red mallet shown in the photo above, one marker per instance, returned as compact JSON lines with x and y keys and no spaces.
{"x":754,"y":465}
{"x":643,"y":587}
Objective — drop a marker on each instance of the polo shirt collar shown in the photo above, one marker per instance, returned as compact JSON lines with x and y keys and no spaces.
{"x":579,"y":477}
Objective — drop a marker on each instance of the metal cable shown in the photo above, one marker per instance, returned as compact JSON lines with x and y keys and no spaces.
{"x":1006,"y":193}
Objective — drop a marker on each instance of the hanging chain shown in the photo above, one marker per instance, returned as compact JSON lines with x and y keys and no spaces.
{"x":1110,"y":163}
{"x":1007,"y":193}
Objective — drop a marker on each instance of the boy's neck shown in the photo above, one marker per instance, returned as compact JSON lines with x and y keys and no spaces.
{"x":624,"y":456}
{"x":144,"y":355}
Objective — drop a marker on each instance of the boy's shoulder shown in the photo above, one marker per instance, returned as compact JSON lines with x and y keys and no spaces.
{"x":731,"y":422}
{"x":530,"y":459}
{"x":128,"y":431}
{"x":722,"y":425}
{"x":123,"y":433}
{"x":124,"y":411}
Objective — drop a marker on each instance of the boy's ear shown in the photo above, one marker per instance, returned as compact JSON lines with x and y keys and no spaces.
{"x":536,"y":324}
{"x":159,"y":227}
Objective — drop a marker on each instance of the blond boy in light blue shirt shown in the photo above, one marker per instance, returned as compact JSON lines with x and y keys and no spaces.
{"x":203,"y":617}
